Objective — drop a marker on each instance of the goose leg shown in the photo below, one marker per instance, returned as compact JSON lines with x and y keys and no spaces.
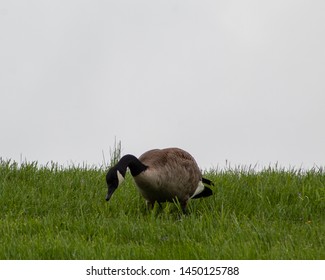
{"x":183,"y":206}
{"x":150,"y":205}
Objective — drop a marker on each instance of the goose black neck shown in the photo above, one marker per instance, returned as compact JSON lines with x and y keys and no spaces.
{"x":135,"y":165}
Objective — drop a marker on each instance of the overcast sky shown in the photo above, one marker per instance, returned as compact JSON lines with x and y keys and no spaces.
{"x":236,"y":81}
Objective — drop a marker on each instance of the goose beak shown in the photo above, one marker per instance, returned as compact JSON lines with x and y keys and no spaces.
{"x":108,"y":196}
{"x":109,"y":193}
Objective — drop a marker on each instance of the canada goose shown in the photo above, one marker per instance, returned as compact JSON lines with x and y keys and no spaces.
{"x":161,"y":175}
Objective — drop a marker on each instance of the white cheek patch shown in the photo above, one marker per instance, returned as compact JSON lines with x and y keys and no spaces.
{"x":199,"y":189}
{"x":120,"y":177}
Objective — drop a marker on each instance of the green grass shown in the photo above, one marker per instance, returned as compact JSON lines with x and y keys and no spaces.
{"x":61,"y":213}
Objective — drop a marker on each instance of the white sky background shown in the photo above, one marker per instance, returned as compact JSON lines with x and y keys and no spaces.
{"x":242,"y":81}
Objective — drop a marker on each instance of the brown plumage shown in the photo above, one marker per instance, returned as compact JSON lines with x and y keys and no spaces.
{"x":161,"y":175}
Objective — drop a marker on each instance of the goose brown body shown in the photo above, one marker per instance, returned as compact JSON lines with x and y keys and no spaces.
{"x":171,"y":173}
{"x":161,"y":175}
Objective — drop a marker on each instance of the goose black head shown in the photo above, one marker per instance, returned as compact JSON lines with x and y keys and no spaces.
{"x":116,"y":174}
{"x":114,"y":178}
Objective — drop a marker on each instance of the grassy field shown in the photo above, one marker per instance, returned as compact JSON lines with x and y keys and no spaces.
{"x":61,"y":213}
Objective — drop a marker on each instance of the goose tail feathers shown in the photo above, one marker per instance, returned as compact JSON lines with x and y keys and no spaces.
{"x":203,"y":191}
{"x":207,"y":181}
